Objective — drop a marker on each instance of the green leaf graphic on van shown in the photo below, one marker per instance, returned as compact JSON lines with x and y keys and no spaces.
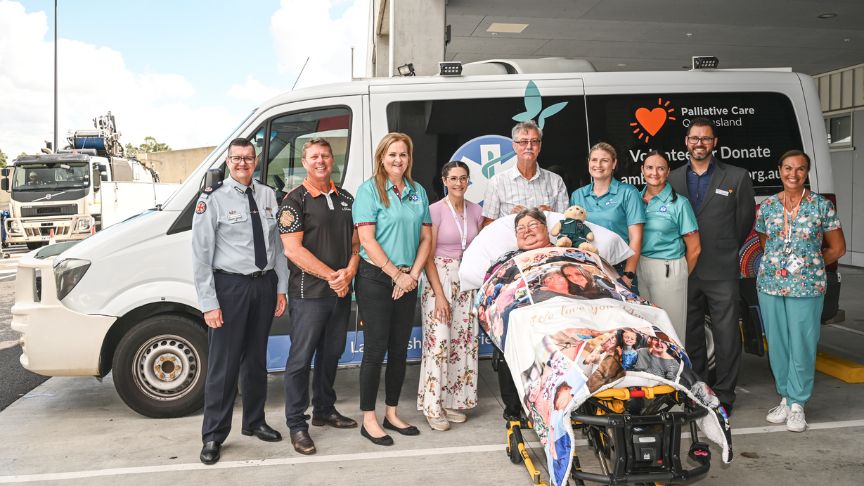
{"x":534,"y":105}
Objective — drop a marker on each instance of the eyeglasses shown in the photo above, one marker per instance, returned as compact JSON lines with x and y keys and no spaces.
{"x":700,"y":139}
{"x":455,"y":179}
{"x":315,"y":157}
{"x":237,"y":159}
{"x":524,"y":143}
{"x":530,"y":226}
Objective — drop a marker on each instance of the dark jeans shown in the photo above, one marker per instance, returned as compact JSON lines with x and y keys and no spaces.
{"x":239,"y":347}
{"x":387,"y":328}
{"x":719,"y":298}
{"x":318,"y":328}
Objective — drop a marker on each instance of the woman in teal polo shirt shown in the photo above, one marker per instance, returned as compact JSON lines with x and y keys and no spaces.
{"x":670,"y":243}
{"x":613,"y":205}
{"x":791,"y":283}
{"x":391,"y":213}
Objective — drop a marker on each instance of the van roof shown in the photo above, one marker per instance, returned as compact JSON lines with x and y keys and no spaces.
{"x":619,"y":78}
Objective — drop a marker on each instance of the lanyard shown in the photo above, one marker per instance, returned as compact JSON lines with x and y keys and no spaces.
{"x":463,"y":231}
{"x":789,"y":222}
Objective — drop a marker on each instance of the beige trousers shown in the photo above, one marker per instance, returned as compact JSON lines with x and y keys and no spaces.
{"x":664,"y":283}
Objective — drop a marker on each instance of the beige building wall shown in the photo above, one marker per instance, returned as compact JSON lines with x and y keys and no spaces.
{"x":175,"y":165}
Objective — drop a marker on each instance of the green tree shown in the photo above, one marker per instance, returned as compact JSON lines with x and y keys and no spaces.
{"x":2,"y":159}
{"x":150,"y":145}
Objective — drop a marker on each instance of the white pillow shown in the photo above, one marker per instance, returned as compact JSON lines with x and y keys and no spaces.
{"x":500,"y":237}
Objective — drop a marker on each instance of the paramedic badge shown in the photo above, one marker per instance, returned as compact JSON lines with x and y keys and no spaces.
{"x":200,"y":207}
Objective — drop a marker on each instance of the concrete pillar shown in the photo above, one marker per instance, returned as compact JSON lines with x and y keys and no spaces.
{"x":417,"y":35}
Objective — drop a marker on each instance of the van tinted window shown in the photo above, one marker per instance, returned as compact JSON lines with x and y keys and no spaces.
{"x":477,"y":131}
{"x":753,"y":129}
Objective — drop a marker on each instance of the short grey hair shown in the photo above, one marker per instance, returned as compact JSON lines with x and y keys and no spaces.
{"x":534,"y":213}
{"x":524,"y":126}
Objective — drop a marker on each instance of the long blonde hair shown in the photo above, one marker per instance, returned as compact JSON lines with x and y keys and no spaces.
{"x":380,"y":174}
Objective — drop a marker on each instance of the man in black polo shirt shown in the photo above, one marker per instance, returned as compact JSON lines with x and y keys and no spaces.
{"x":322,"y":249}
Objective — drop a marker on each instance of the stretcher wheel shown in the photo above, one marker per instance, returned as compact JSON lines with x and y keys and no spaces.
{"x":513,"y":442}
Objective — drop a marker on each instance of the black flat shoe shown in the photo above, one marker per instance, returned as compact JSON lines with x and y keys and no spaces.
{"x":409,"y":430}
{"x":264,"y":432}
{"x":210,"y":452}
{"x":382,"y":441}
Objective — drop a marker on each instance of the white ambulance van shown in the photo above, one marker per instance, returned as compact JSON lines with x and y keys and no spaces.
{"x":123,"y":300}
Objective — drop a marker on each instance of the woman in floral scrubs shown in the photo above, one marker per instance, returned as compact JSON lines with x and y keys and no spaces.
{"x":791,"y":283}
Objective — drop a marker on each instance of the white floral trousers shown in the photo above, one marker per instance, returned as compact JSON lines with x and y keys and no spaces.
{"x":448,"y":370}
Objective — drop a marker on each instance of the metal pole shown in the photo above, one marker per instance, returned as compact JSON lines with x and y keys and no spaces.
{"x":391,"y":63}
{"x":55,"y":147}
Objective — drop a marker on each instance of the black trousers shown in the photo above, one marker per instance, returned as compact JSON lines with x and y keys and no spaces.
{"x":387,"y":328}
{"x":318,"y":329}
{"x":719,"y":298}
{"x":238,"y":347}
{"x":509,"y":394}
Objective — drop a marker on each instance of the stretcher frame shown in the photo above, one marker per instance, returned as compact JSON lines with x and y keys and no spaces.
{"x":617,"y":434}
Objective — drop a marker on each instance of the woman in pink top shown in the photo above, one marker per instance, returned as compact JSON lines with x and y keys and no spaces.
{"x":448,"y":371}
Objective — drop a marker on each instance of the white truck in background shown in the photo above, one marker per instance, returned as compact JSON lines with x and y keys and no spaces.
{"x":69,"y":195}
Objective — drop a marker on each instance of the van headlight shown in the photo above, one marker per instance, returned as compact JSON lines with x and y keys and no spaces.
{"x":67,"y":274}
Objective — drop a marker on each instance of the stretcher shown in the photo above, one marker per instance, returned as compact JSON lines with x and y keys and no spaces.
{"x":635,"y":434}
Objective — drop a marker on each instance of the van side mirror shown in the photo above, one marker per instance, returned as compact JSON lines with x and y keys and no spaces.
{"x":4,"y":171}
{"x":4,"y":183}
{"x":97,"y":177}
{"x":214,"y":177}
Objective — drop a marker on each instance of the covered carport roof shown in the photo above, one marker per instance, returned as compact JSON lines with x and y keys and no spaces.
{"x":810,"y":36}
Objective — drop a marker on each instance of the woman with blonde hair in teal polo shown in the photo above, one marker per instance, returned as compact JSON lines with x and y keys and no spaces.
{"x":670,"y":243}
{"x":391,"y":213}
{"x":792,"y":226}
{"x":614,"y":205}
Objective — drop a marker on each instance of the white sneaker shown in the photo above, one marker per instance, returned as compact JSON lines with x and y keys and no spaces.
{"x":796,"y":422}
{"x":438,"y":423}
{"x":778,"y":414}
{"x":455,"y":416}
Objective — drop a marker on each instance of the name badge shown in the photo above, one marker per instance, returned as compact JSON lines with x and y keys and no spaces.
{"x":234,"y":216}
{"x":793,"y":264}
{"x":721,"y":192}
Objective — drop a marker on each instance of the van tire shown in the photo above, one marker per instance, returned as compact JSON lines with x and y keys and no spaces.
{"x":160,"y":366}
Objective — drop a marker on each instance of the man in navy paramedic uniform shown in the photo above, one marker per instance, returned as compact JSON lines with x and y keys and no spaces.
{"x":323,"y":249}
{"x":241,"y":277}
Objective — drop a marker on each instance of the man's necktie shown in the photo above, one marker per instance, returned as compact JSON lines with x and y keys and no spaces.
{"x":257,"y":232}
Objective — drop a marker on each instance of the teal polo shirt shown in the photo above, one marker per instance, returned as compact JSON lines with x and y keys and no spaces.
{"x":619,"y":208}
{"x":397,"y":228}
{"x":667,"y":222}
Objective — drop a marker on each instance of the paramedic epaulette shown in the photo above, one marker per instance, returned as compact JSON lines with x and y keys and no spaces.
{"x":209,"y":189}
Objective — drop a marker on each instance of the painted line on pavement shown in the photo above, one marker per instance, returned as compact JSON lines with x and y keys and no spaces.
{"x":8,"y":344}
{"x":849,"y":329}
{"x":364,"y":456}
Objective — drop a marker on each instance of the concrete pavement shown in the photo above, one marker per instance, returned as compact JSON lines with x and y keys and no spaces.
{"x":76,"y":430}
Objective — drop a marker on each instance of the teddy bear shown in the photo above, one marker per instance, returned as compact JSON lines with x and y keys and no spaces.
{"x":572,"y":230}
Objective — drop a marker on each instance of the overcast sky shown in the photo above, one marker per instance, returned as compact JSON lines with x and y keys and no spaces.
{"x":183,"y":71}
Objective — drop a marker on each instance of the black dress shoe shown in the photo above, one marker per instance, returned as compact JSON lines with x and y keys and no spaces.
{"x":264,"y":432}
{"x":302,"y":442}
{"x":409,"y":430}
{"x":210,"y":452}
{"x":334,"y":419}
{"x":382,"y":441}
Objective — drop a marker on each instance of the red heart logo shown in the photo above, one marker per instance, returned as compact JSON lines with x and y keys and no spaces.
{"x":651,"y":120}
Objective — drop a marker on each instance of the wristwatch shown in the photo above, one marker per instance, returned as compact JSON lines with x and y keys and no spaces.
{"x":630,"y":275}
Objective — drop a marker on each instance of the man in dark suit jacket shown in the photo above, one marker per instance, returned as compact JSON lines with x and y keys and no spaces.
{"x":723,"y":199}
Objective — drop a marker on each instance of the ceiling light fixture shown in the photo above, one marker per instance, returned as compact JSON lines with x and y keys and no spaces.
{"x":826,"y":15}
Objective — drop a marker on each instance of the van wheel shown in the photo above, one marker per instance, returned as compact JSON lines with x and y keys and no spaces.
{"x":160,"y":366}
